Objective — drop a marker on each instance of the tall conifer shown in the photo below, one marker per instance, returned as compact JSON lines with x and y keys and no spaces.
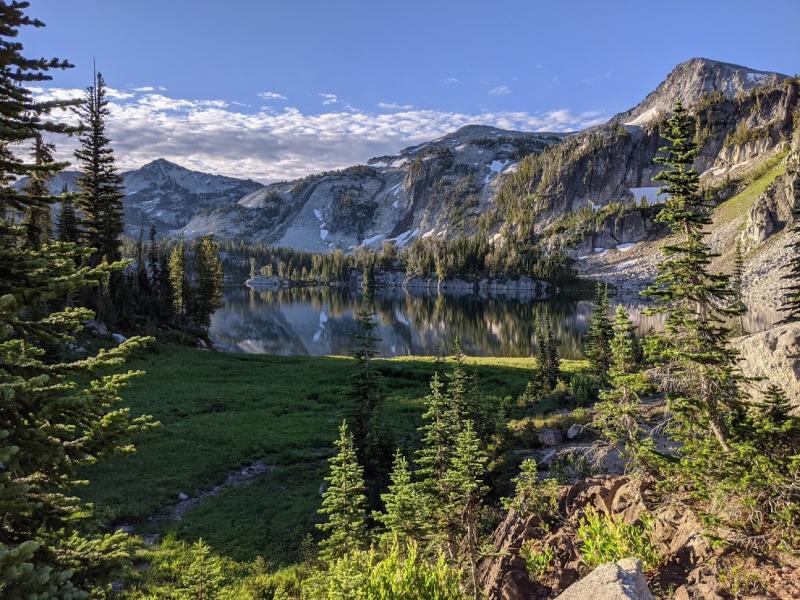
{"x":67,"y":219}
{"x":598,"y":349}
{"x":101,"y":191}
{"x":343,"y":503}
{"x":210,"y":278}
{"x":697,"y":367}
{"x":791,"y":291}
{"x":56,"y":414}
{"x":37,"y":222}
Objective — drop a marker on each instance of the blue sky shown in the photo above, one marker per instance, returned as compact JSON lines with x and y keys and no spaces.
{"x":273,"y":89}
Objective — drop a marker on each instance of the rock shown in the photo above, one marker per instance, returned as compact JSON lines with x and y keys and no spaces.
{"x":96,"y":327}
{"x":182,"y":497}
{"x":774,"y":355}
{"x":574,"y":431}
{"x":622,"y":580}
{"x":118,"y":337}
{"x":550,"y":437}
{"x":322,"y":487}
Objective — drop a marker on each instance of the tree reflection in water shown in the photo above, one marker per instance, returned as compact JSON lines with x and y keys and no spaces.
{"x":320,"y":321}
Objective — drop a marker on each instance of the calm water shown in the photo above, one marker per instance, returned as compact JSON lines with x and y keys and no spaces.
{"x":312,"y":321}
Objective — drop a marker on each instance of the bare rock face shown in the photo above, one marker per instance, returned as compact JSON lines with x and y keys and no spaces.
{"x":622,"y":580}
{"x":774,"y":355}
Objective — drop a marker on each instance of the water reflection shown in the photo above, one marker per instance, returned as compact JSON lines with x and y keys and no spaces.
{"x":320,"y":321}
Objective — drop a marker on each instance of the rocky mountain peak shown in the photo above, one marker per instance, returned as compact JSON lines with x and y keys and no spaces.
{"x":691,"y":81}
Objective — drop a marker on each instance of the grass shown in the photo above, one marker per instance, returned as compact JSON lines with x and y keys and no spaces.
{"x":741,"y":202}
{"x":219,"y":412}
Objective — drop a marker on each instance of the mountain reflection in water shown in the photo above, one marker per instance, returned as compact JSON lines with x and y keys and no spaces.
{"x":321,"y":321}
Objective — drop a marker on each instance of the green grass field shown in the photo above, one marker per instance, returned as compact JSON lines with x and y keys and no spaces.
{"x":219,"y":412}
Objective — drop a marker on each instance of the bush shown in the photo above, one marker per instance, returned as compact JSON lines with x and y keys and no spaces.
{"x":400,"y":574}
{"x":584,"y":388}
{"x":537,"y":560}
{"x":606,"y":539}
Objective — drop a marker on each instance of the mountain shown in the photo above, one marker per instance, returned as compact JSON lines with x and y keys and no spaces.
{"x":442,"y":188}
{"x":438,"y":188}
{"x":693,"y":80}
{"x":167,"y":194}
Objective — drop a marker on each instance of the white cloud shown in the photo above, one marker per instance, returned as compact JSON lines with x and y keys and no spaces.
{"x":271,"y":96}
{"x":328,"y":98}
{"x":449,"y":81}
{"x":500,"y":90}
{"x":270,"y":145}
{"x":145,"y":88}
{"x":394,"y":106}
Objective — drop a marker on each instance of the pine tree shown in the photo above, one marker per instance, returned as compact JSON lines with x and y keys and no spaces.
{"x":791,"y":291}
{"x":179,"y":282}
{"x":366,"y":386}
{"x":698,"y":366}
{"x":541,"y":381}
{"x":37,"y":222}
{"x":101,"y":191}
{"x":343,"y":503}
{"x":738,"y":308}
{"x":203,"y":579}
{"x":404,"y":517}
{"x":552,"y":371}
{"x":464,"y":481}
{"x":153,"y":256}
{"x":67,"y":219}
{"x":617,"y":414}
{"x":56,"y":415}
{"x":438,"y":440}
{"x":210,"y":279}
{"x":598,"y":349}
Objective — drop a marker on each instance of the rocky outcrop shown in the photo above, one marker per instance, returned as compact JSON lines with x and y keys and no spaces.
{"x":773,"y":355}
{"x":622,"y":580}
{"x":693,"y":80}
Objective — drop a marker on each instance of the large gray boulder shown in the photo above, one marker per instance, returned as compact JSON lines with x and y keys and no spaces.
{"x":622,"y":580}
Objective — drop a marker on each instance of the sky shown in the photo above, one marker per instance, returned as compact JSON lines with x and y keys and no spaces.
{"x":273,"y":90}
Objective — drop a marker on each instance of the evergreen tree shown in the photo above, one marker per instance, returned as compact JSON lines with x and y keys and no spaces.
{"x":552,"y":371}
{"x":542,"y":355}
{"x":438,"y":439}
{"x":464,"y":481}
{"x":67,"y":219}
{"x":56,"y":414}
{"x":598,"y":349}
{"x":153,"y":258}
{"x":101,"y":190}
{"x":37,"y":222}
{"x":178,"y":280}
{"x":738,"y":308}
{"x":366,"y":386}
{"x":791,"y":291}
{"x":617,"y":414}
{"x":343,"y":503}
{"x":697,"y":367}
{"x":210,"y":279}
{"x":404,"y":517}
{"x":204,"y":577}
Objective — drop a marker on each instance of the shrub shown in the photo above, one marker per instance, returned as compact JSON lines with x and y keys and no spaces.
{"x":584,"y":388}
{"x":537,"y":560}
{"x":607,"y":539}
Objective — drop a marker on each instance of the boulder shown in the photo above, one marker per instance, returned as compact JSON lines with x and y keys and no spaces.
{"x":574,"y":431}
{"x":182,"y":496}
{"x":550,"y":437}
{"x":622,"y":580}
{"x":775,"y":356}
{"x":96,"y":327}
{"x":118,"y":337}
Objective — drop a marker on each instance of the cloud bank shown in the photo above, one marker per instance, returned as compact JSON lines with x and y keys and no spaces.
{"x":266,"y":144}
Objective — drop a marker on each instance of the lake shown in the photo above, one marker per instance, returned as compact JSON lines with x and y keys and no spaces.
{"x":321,"y":321}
